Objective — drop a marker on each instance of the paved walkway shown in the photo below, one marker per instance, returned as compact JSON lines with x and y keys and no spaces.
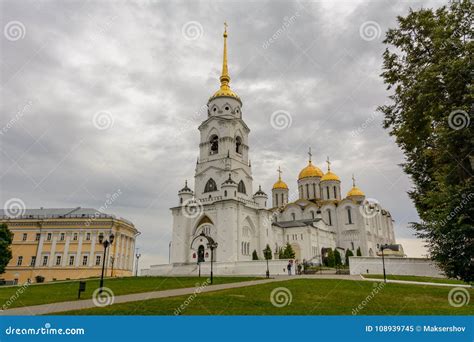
{"x":88,"y":303}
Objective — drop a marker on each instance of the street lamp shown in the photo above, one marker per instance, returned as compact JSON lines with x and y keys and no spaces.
{"x":106,"y":243}
{"x":382,"y":247}
{"x":211,"y":244}
{"x":138,"y":255}
{"x":267,"y":253}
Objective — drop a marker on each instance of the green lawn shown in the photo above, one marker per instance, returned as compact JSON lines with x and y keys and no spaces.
{"x":415,"y":278}
{"x":309,"y":297}
{"x":66,"y":291}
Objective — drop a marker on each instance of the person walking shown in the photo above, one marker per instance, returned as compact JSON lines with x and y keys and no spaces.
{"x":288,"y":267}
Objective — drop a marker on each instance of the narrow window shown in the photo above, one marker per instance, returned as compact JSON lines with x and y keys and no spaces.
{"x":349,"y":216}
{"x":238,"y":145}
{"x":25,"y":236}
{"x":33,"y":261}
{"x":335,"y":192}
{"x":97,"y":260}
{"x":329,"y":217}
{"x":314,"y":190}
{"x":71,"y":260}
{"x":214,"y":142}
{"x":45,"y":260}
{"x":58,"y":260}
{"x":282,"y":199}
{"x":62,"y":237}
{"x":241,"y":187}
{"x":19,"y":261}
{"x":307,"y":190}
{"x":312,"y":214}
{"x":327,"y":192}
{"x":49,"y":237}
{"x":38,"y":236}
{"x":293,"y":216}
{"x":84,"y":260}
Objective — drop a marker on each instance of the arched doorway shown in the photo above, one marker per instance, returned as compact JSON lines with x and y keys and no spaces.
{"x":297,"y":250}
{"x":201,"y":253}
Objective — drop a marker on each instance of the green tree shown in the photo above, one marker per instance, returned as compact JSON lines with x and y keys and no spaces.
{"x":288,"y":252}
{"x":6,"y":238}
{"x":281,"y":254}
{"x":428,"y":67}
{"x":267,"y":253}
{"x":359,"y":252}
{"x":337,"y":258}
{"x":254,"y":255}
{"x":348,"y":254}
{"x":330,"y":260}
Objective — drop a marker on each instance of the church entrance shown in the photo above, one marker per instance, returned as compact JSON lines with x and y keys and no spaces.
{"x":201,"y":253}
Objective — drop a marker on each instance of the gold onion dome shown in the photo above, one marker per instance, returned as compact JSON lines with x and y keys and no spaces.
{"x":224,"y":90}
{"x":310,"y":170}
{"x":280,"y":184}
{"x":330,"y":176}
{"x":355,"y":191}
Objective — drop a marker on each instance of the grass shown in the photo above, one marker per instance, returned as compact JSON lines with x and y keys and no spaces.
{"x":309,"y":297}
{"x":415,"y":278}
{"x":65,"y":291}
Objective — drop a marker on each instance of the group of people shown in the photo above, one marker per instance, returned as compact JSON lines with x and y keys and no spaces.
{"x":298,"y":266}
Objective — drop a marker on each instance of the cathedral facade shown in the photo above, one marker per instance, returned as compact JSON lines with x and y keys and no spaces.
{"x":225,"y":206}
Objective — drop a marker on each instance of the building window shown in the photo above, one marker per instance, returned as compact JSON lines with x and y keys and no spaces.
{"x":25,"y":236}
{"x":225,"y":193}
{"x":84,"y":260}
{"x":312,"y":214}
{"x":349,"y":216}
{"x":74,"y":237}
{"x":335,"y":192}
{"x":58,"y":260}
{"x":238,"y":145}
{"x":37,"y":237}
{"x":276,"y":200}
{"x":49,"y":236}
{"x":88,"y":236}
{"x":19,"y":261}
{"x":241,"y":187}
{"x":97,"y":260}
{"x":329,"y":217}
{"x":327,"y":192}
{"x":314,"y":190}
{"x":352,"y":245}
{"x":210,"y":186}
{"x":293,"y":216}
{"x":71,"y":260}
{"x":33,"y":260}
{"x":282,"y":199}
{"x":45,"y":260}
{"x":214,"y":142}
{"x":61,"y":237}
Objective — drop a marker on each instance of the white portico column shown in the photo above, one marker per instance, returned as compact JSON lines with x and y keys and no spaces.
{"x":122,"y":256}
{"x":79,"y":249}
{"x":52,"y":262}
{"x":128,"y":254}
{"x":92,"y":249}
{"x":66,"y":249}
{"x":40,"y":250}
{"x":117,"y":249}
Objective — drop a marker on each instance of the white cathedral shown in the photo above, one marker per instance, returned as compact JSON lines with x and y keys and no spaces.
{"x":224,"y":206}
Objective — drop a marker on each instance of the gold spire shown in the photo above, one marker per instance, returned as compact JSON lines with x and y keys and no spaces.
{"x":330,"y":176}
{"x":355,"y":191}
{"x":225,"y":78}
{"x":280,"y":184}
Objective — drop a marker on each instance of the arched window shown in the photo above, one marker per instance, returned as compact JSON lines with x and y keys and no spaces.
{"x":210,"y":186}
{"x":327,"y":192}
{"x":335,"y":192}
{"x":293,"y":216}
{"x":314,"y":190}
{"x":282,"y":199}
{"x":238,"y":145}
{"x":276,"y":200}
{"x":241,"y":187}
{"x":329,"y":217}
{"x":349,"y":215}
{"x":214,"y":141}
{"x":225,"y":193}
{"x":307,"y":191}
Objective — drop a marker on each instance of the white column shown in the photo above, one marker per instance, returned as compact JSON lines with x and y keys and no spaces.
{"x":79,"y":250}
{"x":66,"y":250}
{"x":40,"y":250}
{"x":92,"y":249}
{"x":122,"y":256}
{"x":52,"y":262}
{"x":117,"y":250}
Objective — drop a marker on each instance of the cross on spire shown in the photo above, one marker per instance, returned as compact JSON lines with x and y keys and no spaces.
{"x":353,"y":181}
{"x":279,"y":173}
{"x":310,"y":154}
{"x":329,"y":164}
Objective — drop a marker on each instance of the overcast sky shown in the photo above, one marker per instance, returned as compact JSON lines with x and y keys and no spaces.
{"x":99,"y":98}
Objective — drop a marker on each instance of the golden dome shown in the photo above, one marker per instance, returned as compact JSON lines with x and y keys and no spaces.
{"x":355,"y":191}
{"x":310,"y":171}
{"x":280,"y":185}
{"x":330,"y":176}
{"x":224,"y":90}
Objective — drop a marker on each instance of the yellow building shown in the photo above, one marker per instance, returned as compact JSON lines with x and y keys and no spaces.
{"x":61,"y":244}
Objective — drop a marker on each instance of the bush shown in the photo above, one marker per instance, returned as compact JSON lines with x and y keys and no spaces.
{"x":254,"y":255}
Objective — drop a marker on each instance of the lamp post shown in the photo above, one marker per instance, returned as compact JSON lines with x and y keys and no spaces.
{"x":382,"y":247}
{"x":267,"y":253}
{"x":106,"y":243}
{"x":138,"y":255}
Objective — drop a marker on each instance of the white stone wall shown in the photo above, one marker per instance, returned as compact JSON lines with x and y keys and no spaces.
{"x":396,"y":266}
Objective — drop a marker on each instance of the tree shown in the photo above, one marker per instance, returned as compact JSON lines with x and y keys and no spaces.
{"x":330,"y":261}
{"x":428,"y":66}
{"x":254,"y":255}
{"x":358,"y":253}
{"x":6,"y":238}
{"x":348,"y":254}
{"x":337,"y":258}
{"x":288,"y":252}
{"x":267,"y":253}
{"x":281,"y":254}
